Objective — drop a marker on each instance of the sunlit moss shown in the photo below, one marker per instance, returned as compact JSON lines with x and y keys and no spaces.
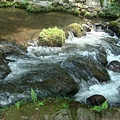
{"x":52,"y":37}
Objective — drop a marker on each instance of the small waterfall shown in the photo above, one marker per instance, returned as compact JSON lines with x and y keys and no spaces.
{"x":38,"y":59}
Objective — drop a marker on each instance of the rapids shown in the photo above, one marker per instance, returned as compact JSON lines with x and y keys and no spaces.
{"x":36,"y":56}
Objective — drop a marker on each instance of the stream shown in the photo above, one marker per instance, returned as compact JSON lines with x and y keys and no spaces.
{"x":31,"y":67}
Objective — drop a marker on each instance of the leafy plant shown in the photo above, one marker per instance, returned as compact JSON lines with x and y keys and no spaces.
{"x":101,"y":107}
{"x":64,"y":105}
{"x":33,"y":95}
{"x":41,"y":104}
{"x":18,"y":104}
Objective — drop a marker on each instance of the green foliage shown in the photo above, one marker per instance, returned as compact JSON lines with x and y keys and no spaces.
{"x":111,"y":11}
{"x":18,"y":104}
{"x":33,"y":95}
{"x":6,"y":4}
{"x":64,"y":105}
{"x":101,"y":107}
{"x":22,"y":4}
{"x":41,"y":104}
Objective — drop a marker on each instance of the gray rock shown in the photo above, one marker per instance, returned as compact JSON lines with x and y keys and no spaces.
{"x":63,"y":114}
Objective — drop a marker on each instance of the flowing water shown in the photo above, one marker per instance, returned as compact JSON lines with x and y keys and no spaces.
{"x":39,"y":59}
{"x":47,"y":55}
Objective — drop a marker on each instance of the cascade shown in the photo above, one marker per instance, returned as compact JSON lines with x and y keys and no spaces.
{"x":39,"y":63}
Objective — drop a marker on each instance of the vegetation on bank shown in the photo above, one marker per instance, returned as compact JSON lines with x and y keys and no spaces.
{"x":35,"y":109}
{"x":111,"y":10}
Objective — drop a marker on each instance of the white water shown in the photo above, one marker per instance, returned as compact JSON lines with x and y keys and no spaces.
{"x":38,"y":54}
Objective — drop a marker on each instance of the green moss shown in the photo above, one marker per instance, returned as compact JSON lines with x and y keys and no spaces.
{"x":87,"y":15}
{"x":76,"y":12}
{"x":51,"y":105}
{"x":52,"y":37}
{"x":76,"y":29}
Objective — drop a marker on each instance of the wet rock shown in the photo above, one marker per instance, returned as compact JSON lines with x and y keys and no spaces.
{"x":86,"y":68}
{"x":60,"y":83}
{"x":95,"y":100}
{"x":48,"y":80}
{"x":4,"y":69}
{"x":76,"y":29}
{"x":12,"y":48}
{"x":102,"y":58}
{"x":110,"y":32}
{"x":114,"y":66}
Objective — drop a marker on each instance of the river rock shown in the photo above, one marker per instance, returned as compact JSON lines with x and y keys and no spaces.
{"x":114,"y":66}
{"x":110,"y":32}
{"x":59,"y":82}
{"x":95,"y":100}
{"x":4,"y":69}
{"x":102,"y":58}
{"x":76,"y":29}
{"x":114,"y":25}
{"x":54,"y":37}
{"x":86,"y":68}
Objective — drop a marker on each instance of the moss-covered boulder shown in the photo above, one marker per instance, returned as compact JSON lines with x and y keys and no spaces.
{"x":88,"y":15}
{"x":54,"y":37}
{"x":115,"y":26}
{"x":76,"y":29}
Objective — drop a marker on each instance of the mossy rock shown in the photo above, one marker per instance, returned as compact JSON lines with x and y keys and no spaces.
{"x":115,"y":26}
{"x":76,"y":11}
{"x":118,"y":33}
{"x":54,"y":37}
{"x":76,"y":29}
{"x":88,"y":15}
{"x":83,"y":11}
{"x":21,"y":4}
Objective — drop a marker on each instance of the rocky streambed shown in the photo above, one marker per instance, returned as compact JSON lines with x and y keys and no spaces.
{"x":82,"y":67}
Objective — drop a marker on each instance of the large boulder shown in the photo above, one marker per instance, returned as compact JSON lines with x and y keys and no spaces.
{"x":54,"y":37}
{"x":86,"y":68}
{"x":46,"y":79}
